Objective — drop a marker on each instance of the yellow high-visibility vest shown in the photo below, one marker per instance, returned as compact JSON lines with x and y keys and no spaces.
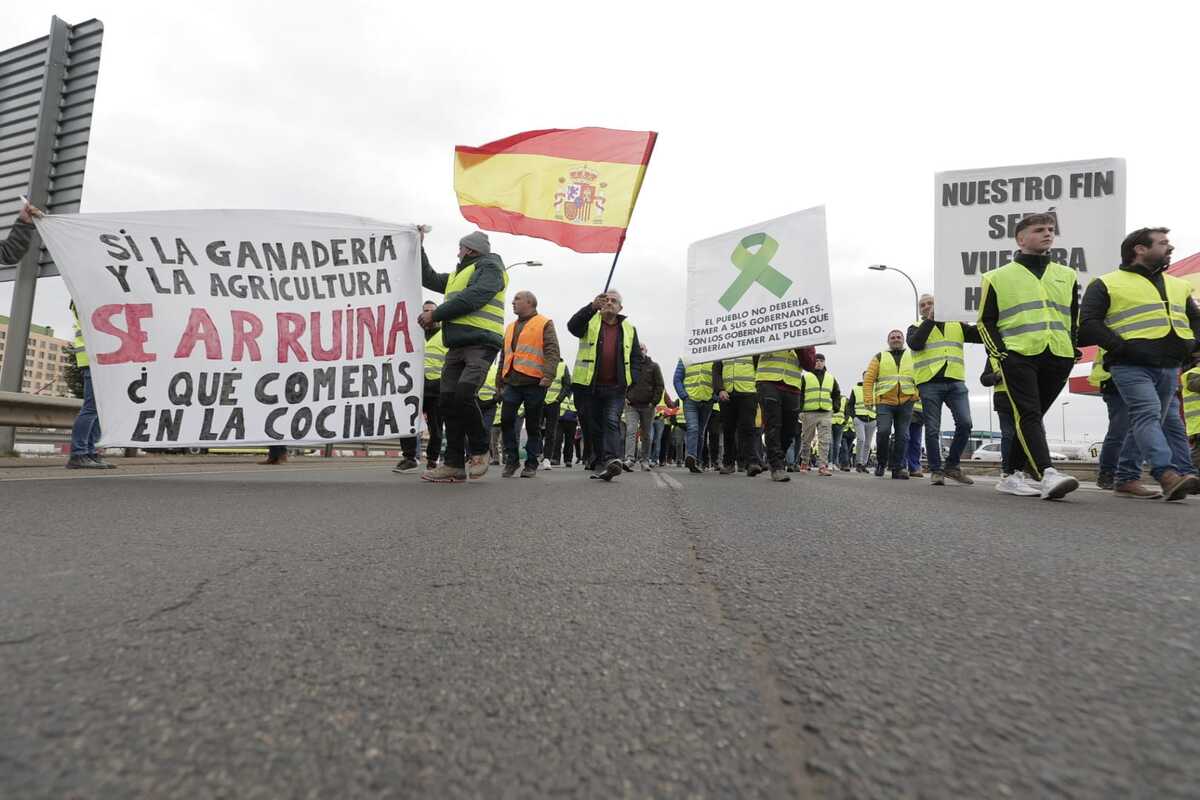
{"x":738,"y":374}
{"x":81,"y":356}
{"x":697,"y":381}
{"x":1033,"y":314}
{"x":781,"y":365}
{"x":491,"y":317}
{"x":1136,"y":311}
{"x":487,"y":391}
{"x":1191,"y":403}
{"x":860,"y":406}
{"x":435,"y":357}
{"x":892,"y":375}
{"x":585,"y":360}
{"x":942,"y":347}
{"x":818,"y":394}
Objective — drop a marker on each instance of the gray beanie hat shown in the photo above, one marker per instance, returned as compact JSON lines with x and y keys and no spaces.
{"x":477,"y":241}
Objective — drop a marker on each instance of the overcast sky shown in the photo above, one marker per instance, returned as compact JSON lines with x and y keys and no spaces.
{"x":761,"y":109}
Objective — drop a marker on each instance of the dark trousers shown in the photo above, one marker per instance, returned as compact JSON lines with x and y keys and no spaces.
{"x":550,"y":443}
{"x":1033,"y":383}
{"x":712,"y":436}
{"x":531,"y":396}
{"x":605,"y":405}
{"x":780,"y":411}
{"x":888,"y":418}
{"x":566,"y":433}
{"x":433,"y":424}
{"x":1008,"y":434}
{"x":464,"y":372}
{"x":737,"y":419}
{"x":583,"y":411}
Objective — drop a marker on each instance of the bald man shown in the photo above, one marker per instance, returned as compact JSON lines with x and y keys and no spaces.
{"x":527,"y":369}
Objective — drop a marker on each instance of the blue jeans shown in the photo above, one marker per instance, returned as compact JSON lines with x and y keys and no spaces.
{"x":1118,"y":426}
{"x":605,"y":406}
{"x":697,"y":412}
{"x":1148,"y":393}
{"x":532,"y":397}
{"x":656,"y":436}
{"x":1176,"y":431}
{"x":86,"y":429}
{"x":955,"y":396}
{"x":913,"y":456}
{"x":885,"y":418}
{"x":835,"y":445}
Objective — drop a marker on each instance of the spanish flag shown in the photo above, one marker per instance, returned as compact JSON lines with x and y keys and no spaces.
{"x":576,"y":187}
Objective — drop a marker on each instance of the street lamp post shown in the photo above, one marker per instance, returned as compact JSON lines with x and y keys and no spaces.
{"x":1064,"y":419}
{"x":523,"y":264}
{"x":916,"y":297}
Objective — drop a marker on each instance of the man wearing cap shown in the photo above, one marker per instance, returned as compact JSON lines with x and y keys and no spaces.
{"x":819,"y":396}
{"x":1028,"y":311}
{"x":472,"y":319}
{"x":938,"y":356}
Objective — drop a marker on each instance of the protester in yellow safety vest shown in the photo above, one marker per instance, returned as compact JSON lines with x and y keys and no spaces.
{"x":939,"y":359}
{"x":559,"y":390}
{"x":472,"y":317}
{"x":1190,"y":388}
{"x":1027,"y":314}
{"x":734,"y":382}
{"x":608,"y":363}
{"x":778,"y":378}
{"x":818,"y":396}
{"x":890,"y":386}
{"x":694,"y":385}
{"x":86,"y":430}
{"x":1148,"y":325}
{"x":529,"y":363}
{"x":435,"y":358}
{"x":863,"y":414}
{"x":1118,"y":423}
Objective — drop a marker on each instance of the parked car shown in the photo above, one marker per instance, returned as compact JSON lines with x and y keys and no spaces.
{"x":990,"y":451}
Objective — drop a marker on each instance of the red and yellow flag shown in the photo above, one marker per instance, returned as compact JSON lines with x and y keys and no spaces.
{"x":575,"y":187}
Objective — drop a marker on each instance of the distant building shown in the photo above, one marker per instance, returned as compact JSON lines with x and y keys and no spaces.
{"x":45,"y":359}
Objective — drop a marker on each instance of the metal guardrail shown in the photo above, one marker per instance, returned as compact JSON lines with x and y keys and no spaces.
{"x":36,"y":411}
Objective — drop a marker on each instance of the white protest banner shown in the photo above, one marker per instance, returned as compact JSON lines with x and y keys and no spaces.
{"x":760,"y":288}
{"x":223,"y":328}
{"x":976,"y":212}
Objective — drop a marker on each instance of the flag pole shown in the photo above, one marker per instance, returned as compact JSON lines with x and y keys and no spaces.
{"x":636,"y":191}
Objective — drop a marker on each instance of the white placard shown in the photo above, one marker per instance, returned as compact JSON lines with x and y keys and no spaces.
{"x":227,"y":328}
{"x":760,"y":288}
{"x":976,"y":212}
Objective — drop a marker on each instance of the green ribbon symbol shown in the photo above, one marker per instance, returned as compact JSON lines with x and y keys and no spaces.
{"x":755,"y":268}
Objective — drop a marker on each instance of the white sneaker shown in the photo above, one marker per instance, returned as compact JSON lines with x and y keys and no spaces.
{"x":1017,"y":483}
{"x":1055,"y":485}
{"x":546,"y":464}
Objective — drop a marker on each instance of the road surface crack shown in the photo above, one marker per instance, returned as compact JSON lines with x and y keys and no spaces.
{"x":198,"y":591}
{"x":783,"y":736}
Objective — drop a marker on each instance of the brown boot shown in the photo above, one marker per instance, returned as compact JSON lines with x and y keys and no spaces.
{"x":273,"y":461}
{"x":1135,"y":490}
{"x":1176,"y":486}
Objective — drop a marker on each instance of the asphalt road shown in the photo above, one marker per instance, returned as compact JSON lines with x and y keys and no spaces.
{"x":338,"y":631}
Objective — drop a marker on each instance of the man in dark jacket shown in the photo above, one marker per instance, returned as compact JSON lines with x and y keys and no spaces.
{"x":642,"y":397}
{"x":1149,"y":326}
{"x":609,"y":361}
{"x":472,"y":318}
